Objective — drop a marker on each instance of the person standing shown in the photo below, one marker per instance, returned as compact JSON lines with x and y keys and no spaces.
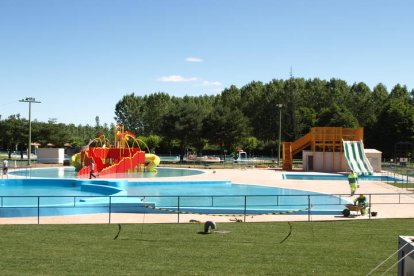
{"x":5,"y":166}
{"x":353,"y":181}
{"x":92,"y":172}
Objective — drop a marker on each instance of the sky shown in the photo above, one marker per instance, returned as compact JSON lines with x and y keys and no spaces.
{"x":80,"y":57}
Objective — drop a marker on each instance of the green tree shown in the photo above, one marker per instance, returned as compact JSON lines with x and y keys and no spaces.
{"x":251,"y":144}
{"x":152,"y":141}
{"x":156,"y":106}
{"x":260,"y":108}
{"x":293,"y":89}
{"x":129,"y":112}
{"x":361,"y":104}
{"x":337,"y":93}
{"x":315,"y":95}
{"x":97,"y":122}
{"x":52,"y":132}
{"x":372,"y":131}
{"x":184,"y":124}
{"x":396,"y":121}
{"x":15,"y":131}
{"x":336,"y":116}
{"x":231,"y":97}
{"x":307,"y":118}
{"x":226,"y":127}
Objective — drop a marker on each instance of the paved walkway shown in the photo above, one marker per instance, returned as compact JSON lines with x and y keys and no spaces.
{"x":383,"y":203}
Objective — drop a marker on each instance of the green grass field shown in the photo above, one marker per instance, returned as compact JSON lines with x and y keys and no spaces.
{"x":316,"y":248}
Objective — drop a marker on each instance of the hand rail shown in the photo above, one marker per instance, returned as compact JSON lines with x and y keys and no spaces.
{"x":244,"y":205}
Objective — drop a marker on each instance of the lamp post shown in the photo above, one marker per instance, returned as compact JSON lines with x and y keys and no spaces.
{"x":30,"y":101}
{"x":280,"y":131}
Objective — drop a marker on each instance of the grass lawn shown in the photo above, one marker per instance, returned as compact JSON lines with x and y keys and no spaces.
{"x":316,"y":248}
{"x":405,"y":185}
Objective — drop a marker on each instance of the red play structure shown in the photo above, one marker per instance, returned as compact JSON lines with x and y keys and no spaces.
{"x":122,"y":157}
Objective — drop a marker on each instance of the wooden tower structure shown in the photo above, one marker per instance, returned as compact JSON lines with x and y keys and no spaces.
{"x":325,"y":140}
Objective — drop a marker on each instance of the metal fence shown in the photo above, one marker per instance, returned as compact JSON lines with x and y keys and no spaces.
{"x":401,"y":176}
{"x":35,"y":209}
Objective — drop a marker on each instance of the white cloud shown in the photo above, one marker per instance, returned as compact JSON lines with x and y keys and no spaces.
{"x":176,"y":78}
{"x":217,"y":90}
{"x":211,"y":83}
{"x":193,"y":59}
{"x":212,"y":86}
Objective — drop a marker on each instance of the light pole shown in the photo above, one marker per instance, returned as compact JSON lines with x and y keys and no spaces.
{"x":30,"y":101}
{"x":280,"y":132}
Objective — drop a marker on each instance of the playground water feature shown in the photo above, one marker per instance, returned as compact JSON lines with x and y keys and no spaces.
{"x":66,"y":195}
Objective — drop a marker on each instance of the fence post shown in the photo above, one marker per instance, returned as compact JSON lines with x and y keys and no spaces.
{"x":309,"y":208}
{"x":110,"y":209}
{"x":38,"y":210}
{"x":245,"y":208}
{"x":178,"y":209}
{"x":369,"y":206}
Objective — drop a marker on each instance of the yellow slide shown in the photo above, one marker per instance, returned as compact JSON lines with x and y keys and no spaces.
{"x":75,"y":160}
{"x":153,"y":160}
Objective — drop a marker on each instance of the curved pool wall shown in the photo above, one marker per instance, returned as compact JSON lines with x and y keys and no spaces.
{"x":121,"y":196}
{"x":69,"y":172}
{"x":54,"y":197}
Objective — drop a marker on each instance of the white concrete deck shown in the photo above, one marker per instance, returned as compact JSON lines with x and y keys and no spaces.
{"x":385,"y":205}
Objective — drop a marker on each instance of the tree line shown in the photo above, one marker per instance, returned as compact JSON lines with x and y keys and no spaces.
{"x":246,"y":117}
{"x":14,"y":134}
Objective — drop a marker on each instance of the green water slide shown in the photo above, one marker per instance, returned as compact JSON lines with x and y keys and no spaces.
{"x":356,"y":158}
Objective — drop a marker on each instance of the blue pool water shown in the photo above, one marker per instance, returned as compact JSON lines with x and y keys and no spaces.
{"x":25,"y":197}
{"x":46,"y":192}
{"x":226,"y":195}
{"x":336,"y":177}
{"x":64,"y":196}
{"x":70,"y":173}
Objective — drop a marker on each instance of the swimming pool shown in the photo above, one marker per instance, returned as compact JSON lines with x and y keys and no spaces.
{"x":24,"y":197}
{"x":337,"y":177}
{"x":227,"y":197}
{"x":31,"y":197}
{"x":70,"y":172}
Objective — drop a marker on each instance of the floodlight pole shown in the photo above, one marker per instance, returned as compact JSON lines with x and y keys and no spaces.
{"x":280,"y":132}
{"x":30,"y":101}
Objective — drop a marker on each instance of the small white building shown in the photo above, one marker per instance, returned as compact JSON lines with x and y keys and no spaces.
{"x":50,"y":155}
{"x":375,"y":159}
